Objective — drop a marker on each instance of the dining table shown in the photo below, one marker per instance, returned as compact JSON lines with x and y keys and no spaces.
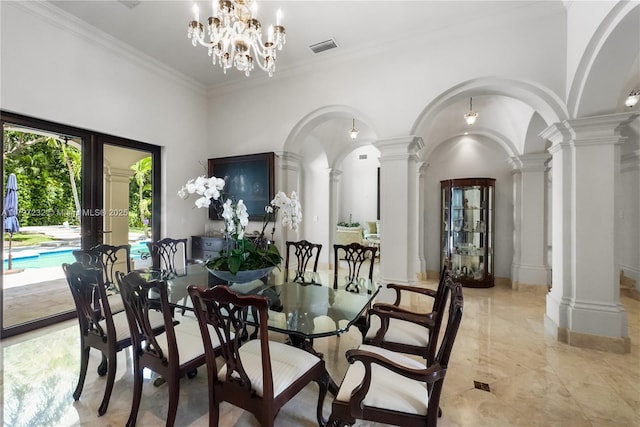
{"x":302,"y":310}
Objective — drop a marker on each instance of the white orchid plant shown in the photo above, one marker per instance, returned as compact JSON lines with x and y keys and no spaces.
{"x":243,"y":254}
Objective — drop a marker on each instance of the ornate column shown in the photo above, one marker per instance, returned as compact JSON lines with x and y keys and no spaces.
{"x":529,"y":266}
{"x":583,"y":306}
{"x":398,"y":207}
{"x":334,"y":197}
{"x":420,"y":261}
{"x":116,"y":208}
{"x":116,"y":205}
{"x":288,"y":178}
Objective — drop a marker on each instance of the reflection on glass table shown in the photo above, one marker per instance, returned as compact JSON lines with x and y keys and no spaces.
{"x":308,"y":309}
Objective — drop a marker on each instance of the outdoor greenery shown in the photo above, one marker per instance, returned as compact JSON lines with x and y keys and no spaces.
{"x":27,"y":239}
{"x":48,"y":171}
{"x":140,"y":194}
{"x":48,"y":174}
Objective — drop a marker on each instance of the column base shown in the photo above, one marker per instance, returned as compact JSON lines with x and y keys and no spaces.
{"x":621,"y":345}
{"x":533,"y":275}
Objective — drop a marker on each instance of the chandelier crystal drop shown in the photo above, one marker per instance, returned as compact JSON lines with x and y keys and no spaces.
{"x":234,"y":36}
{"x":471,"y":116}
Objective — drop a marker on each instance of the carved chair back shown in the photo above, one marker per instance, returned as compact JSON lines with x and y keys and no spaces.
{"x":108,"y":258}
{"x":304,"y":253}
{"x":169,"y":254}
{"x":360,"y":260}
{"x":252,"y":376}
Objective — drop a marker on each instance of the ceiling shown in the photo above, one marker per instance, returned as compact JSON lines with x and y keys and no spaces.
{"x":159,"y":28}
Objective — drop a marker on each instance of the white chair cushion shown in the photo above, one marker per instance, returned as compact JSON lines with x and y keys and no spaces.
{"x":122,"y":325}
{"x":287,"y":365}
{"x":189,"y":345}
{"x":400,"y":331}
{"x":115,"y":302}
{"x":388,"y":390}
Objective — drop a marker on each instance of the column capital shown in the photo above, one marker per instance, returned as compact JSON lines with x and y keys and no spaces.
{"x":595,"y":130}
{"x":334,"y":174}
{"x":557,"y":133}
{"x":288,"y":156}
{"x":532,"y":162}
{"x":399,"y":148}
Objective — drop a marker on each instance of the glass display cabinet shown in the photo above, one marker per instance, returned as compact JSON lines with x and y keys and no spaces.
{"x":467,"y":226}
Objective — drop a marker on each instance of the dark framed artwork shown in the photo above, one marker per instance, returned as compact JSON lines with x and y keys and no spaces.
{"x":250,"y":178}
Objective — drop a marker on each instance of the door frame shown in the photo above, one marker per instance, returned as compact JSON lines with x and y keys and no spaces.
{"x":92,"y":195}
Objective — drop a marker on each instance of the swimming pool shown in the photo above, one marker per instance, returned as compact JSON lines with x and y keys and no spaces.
{"x":39,"y":258}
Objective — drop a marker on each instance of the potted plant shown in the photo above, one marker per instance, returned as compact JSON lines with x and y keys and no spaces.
{"x":241,"y":254}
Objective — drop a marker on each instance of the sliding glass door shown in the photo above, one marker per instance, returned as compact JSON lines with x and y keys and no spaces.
{"x":72,"y":189}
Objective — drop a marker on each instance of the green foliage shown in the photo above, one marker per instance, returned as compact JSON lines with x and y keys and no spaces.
{"x":348,"y":224}
{"x":27,"y":239}
{"x":45,"y":195}
{"x":246,"y":256}
{"x":140,"y":192}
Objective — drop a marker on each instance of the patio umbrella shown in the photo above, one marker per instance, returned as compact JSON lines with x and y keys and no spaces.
{"x":10,"y":212}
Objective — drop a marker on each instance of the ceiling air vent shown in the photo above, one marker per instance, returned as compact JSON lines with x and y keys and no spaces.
{"x":362,"y":157}
{"x":322,"y":46}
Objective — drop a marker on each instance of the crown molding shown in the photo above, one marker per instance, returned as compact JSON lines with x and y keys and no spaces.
{"x":70,"y":23}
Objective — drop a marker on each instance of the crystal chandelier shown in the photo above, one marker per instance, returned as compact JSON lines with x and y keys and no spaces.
{"x":235,"y":36}
{"x":471,"y":116}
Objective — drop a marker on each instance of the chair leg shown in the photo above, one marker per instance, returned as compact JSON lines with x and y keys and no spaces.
{"x":102,"y":367}
{"x":111,"y":376}
{"x":137,"y":392}
{"x":173,"y":382}
{"x":323,"y":383}
{"x":84,"y":363}
{"x":214,"y":415}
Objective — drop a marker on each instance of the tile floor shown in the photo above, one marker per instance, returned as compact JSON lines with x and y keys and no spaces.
{"x":533,"y":379}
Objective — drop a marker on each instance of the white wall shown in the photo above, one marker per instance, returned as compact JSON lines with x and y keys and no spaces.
{"x":371,"y":84}
{"x":359,"y":186}
{"x":470,"y":157}
{"x":56,"y":70}
{"x":314,"y":194}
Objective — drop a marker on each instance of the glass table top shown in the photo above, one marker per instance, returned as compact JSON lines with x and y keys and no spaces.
{"x":311,"y":309}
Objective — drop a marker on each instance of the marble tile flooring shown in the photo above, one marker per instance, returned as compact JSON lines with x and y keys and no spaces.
{"x":533,"y":379}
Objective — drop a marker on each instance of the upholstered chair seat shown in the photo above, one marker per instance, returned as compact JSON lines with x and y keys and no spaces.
{"x":287,"y":366}
{"x":388,"y":390}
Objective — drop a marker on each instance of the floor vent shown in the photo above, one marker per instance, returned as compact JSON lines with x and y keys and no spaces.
{"x":322,"y":46}
{"x":481,"y":386}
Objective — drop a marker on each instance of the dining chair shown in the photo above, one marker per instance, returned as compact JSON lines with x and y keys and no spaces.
{"x":176,"y":353}
{"x":304,"y":252}
{"x":393,"y":388}
{"x":399,"y":329}
{"x":169,"y":254}
{"x":356,"y":256}
{"x":260,"y":375}
{"x":109,"y":259}
{"x":99,"y":327}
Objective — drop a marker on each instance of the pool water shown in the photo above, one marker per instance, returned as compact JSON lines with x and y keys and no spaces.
{"x":55,"y":258}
